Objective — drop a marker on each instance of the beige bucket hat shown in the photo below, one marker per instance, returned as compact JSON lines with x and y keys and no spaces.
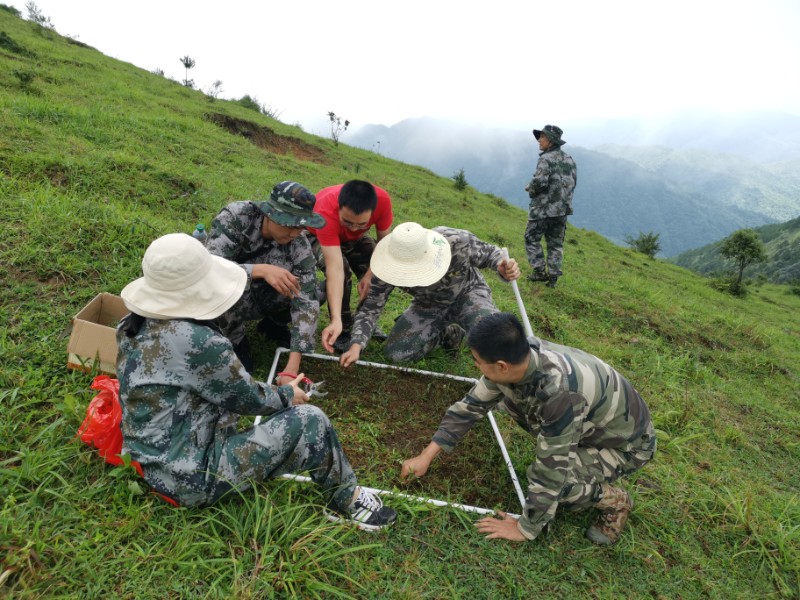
{"x":411,"y":256}
{"x":182,"y":280}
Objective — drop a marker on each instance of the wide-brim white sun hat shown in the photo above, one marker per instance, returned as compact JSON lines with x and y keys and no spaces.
{"x":183,"y":280}
{"x":411,"y":256}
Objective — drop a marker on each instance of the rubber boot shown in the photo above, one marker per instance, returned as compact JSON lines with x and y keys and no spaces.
{"x":614,"y":505}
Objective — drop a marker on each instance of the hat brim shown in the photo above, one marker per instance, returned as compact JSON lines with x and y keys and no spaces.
{"x":206,"y":299}
{"x":287,"y":219}
{"x":538,"y":132}
{"x":420,"y":273}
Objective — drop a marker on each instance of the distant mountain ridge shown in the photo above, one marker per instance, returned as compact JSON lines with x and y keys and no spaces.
{"x":691,"y":197}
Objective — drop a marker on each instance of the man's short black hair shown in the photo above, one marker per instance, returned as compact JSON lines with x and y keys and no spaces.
{"x":499,"y":336}
{"x":359,"y":196}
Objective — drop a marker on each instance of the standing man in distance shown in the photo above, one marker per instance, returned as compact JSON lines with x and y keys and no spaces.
{"x":551,"y":191}
{"x":266,"y":239}
{"x":342,"y":248}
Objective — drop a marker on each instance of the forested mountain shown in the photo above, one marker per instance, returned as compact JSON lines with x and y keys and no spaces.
{"x":782,"y":242}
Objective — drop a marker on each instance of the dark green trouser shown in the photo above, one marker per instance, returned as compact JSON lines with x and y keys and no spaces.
{"x":553,"y":230}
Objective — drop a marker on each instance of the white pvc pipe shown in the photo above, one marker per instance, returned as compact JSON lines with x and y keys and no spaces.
{"x":495,"y":429}
{"x":464,"y":507}
{"x":523,"y":312}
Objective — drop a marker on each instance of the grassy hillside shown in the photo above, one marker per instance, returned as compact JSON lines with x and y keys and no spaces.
{"x":782,"y":245}
{"x":98,"y":157}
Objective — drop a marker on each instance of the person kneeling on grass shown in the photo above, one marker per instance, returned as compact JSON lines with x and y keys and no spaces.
{"x":182,"y":389}
{"x":591,"y":427}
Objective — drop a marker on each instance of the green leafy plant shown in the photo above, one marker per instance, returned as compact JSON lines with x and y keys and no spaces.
{"x":646,"y":243}
{"x":188,"y":63}
{"x":460,"y":180}
{"x":744,"y":248}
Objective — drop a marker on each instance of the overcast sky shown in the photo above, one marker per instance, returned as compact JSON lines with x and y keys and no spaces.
{"x":516,"y":64}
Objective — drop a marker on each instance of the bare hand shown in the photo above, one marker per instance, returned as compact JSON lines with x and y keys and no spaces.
{"x":416,"y":467}
{"x":300,"y":396}
{"x":363,"y":285}
{"x":508,"y":269}
{"x":504,"y":528}
{"x":351,"y":356}
{"x":283,"y":281}
{"x":330,"y":334}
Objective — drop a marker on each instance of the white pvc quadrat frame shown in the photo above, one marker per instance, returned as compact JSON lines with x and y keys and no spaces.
{"x":498,"y":437}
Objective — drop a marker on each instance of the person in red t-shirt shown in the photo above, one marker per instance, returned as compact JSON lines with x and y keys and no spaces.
{"x":343,"y":248}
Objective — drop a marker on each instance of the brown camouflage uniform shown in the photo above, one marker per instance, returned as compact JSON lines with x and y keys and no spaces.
{"x":235,"y":234}
{"x":461,"y":296}
{"x":591,"y":426}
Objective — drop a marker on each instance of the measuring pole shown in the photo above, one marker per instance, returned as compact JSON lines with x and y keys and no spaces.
{"x":523,"y":312}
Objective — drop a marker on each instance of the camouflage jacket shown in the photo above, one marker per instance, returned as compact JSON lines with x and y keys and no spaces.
{"x":553,"y":185}
{"x":235,"y":234}
{"x":181,"y":390}
{"x":468,"y":255}
{"x":568,"y":398}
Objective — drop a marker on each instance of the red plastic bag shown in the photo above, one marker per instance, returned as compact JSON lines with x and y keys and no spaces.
{"x":101,"y":427}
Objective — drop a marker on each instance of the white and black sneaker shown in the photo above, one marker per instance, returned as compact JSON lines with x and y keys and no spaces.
{"x":366,"y":512}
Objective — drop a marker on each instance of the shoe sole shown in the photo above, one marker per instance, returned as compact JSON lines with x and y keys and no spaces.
{"x":333,"y":517}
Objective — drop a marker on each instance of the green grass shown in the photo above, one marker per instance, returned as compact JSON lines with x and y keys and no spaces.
{"x":97,"y":158}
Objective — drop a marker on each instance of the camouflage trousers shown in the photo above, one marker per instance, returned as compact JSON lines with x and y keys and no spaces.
{"x":595,"y":466}
{"x":553,"y":230}
{"x":261,"y":301}
{"x":298,"y":439}
{"x":355,"y":259}
{"x":421,"y":328}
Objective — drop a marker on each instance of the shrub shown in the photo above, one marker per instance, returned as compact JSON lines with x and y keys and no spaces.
{"x":337,"y":127}
{"x":647,"y":243}
{"x":460,"y":180}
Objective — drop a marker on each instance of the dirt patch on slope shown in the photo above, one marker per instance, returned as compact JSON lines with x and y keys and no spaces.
{"x":266,"y":139}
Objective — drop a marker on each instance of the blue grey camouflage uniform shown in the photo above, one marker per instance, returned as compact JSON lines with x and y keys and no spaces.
{"x":462,"y":296}
{"x":551,"y":191}
{"x":235,"y":234}
{"x":182,"y":390}
{"x":591,"y":426}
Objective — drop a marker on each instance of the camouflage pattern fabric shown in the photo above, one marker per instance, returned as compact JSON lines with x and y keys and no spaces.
{"x":591,"y":426}
{"x":235,"y":234}
{"x":182,"y":390}
{"x":461,"y":296}
{"x":553,"y":185}
{"x":551,"y":191}
{"x":355,"y":259}
{"x":553,"y":230}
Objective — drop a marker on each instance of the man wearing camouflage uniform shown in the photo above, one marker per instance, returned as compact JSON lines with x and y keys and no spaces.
{"x":182,"y":390}
{"x":551,"y":191}
{"x":266,"y":239}
{"x":591,"y":427}
{"x":440,"y":269}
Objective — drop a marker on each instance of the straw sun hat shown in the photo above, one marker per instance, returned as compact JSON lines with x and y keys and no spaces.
{"x":411,"y":256}
{"x":182,"y":280}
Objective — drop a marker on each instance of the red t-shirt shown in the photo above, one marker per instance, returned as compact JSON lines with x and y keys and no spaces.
{"x":334,"y":234}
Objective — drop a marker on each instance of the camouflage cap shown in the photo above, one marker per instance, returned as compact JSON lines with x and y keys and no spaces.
{"x":292,"y":205}
{"x":552,"y":133}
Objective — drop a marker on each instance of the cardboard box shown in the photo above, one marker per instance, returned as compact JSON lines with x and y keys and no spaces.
{"x":93,"y":342}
